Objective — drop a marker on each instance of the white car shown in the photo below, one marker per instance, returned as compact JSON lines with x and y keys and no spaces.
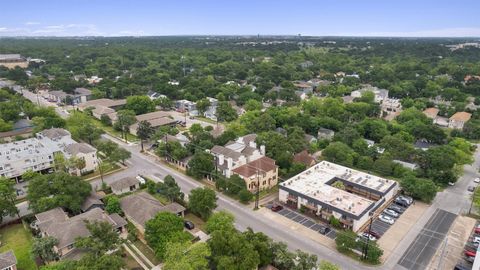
{"x":476,"y":180}
{"x":366,"y":235}
{"x":386,"y":219}
{"x":476,"y":239}
{"x":390,"y":212}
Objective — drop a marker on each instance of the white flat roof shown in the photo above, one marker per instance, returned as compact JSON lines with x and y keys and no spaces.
{"x":21,"y":150}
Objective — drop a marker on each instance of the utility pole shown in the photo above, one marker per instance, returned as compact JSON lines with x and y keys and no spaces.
{"x":166,"y":147}
{"x":257,"y":195}
{"x":365,"y":253}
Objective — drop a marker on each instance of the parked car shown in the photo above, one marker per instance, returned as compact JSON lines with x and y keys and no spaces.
{"x":20,"y":192}
{"x":477,"y":230}
{"x":401,"y":202}
{"x":189,"y":225}
{"x":396,"y":208}
{"x":375,"y":234}
{"x":386,"y":219}
{"x":276,"y":207}
{"x":460,"y":267}
{"x":451,"y":184}
{"x":471,"y":189}
{"x":390,"y":213}
{"x":408,"y":199}
{"x":476,"y":180}
{"x":469,"y":253}
{"x":366,"y":235}
{"x":476,"y":239}
{"x":324,"y":230}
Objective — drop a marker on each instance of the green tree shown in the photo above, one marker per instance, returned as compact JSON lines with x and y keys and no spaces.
{"x":253,"y":105}
{"x":107,"y":121}
{"x":225,"y":112}
{"x":340,"y":153}
{"x":144,"y":131}
{"x":183,"y":256}
{"x":119,"y":154}
{"x":221,"y":220}
{"x":58,"y":189}
{"x":231,"y":250}
{"x":325,"y":265}
{"x":7,"y":198}
{"x":262,"y":245}
{"x":374,"y":253}
{"x":202,"y":201}
{"x":202,"y":105}
{"x":283,"y":259}
{"x":164,"y":102}
{"x":170,"y":189}
{"x":163,"y":229}
{"x":345,"y":240}
{"x":245,"y":196}
{"x":43,"y":248}
{"x":305,"y":261}
{"x":140,"y":104}
{"x":125,"y":118}
{"x":113,"y":205}
{"x":200,"y":165}
{"x":102,"y":239}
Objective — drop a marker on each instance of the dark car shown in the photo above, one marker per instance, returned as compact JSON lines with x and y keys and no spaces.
{"x":461,"y":267}
{"x":375,"y":234}
{"x":276,"y":207}
{"x":189,"y":225}
{"x":401,"y":202}
{"x":471,"y":189}
{"x":396,"y":208}
{"x":324,"y":230}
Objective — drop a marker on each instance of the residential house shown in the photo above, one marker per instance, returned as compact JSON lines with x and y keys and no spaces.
{"x":325,"y":134}
{"x":211,"y":112}
{"x":94,"y":80}
{"x":390,"y":108}
{"x":155,"y":95}
{"x":347,"y":99}
{"x":310,"y":139}
{"x":431,"y":113}
{"x":83,"y":151}
{"x":408,"y":165}
{"x":304,"y":158}
{"x":186,"y":106}
{"x":180,"y":138}
{"x":458,"y":120}
{"x":57,"y":224}
{"x":8,"y":261}
{"x":105,"y":102}
{"x":260,"y":174}
{"x":92,"y":201}
{"x":236,"y":153}
{"x":22,"y":128}
{"x":306,"y":64}
{"x":156,"y":120}
{"x":423,"y":144}
{"x":141,"y":207}
{"x":380,"y":94}
{"x":80,"y":95}
{"x":124,"y":185}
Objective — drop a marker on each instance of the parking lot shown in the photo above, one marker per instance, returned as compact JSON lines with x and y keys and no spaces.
{"x":305,"y":221}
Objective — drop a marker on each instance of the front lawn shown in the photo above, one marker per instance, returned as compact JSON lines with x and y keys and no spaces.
{"x":17,"y":238}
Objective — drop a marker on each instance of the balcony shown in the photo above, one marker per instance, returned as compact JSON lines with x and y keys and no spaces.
{"x":292,"y":198}
{"x":348,"y":222}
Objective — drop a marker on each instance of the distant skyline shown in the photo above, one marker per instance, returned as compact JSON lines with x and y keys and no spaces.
{"x":393,"y":18}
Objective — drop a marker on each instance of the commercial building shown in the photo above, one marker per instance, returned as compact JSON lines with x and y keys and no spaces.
{"x":37,"y":154}
{"x":80,"y":95}
{"x":351,"y":201}
{"x":13,"y":60}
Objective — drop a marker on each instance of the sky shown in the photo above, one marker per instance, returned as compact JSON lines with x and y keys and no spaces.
{"x":408,"y":18}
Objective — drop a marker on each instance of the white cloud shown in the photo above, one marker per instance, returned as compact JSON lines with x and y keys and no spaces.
{"x":131,"y":33}
{"x":32,"y":23}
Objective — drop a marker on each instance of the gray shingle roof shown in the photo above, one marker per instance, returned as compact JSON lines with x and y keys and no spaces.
{"x":220,"y":150}
{"x":123,"y":183}
{"x":55,"y":133}
{"x":76,"y":148}
{"x":141,"y":207}
{"x":7,"y":259}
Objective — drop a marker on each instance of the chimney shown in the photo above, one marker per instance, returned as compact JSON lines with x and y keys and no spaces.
{"x":230,"y":162}
{"x":221,"y":159}
{"x":262,"y":150}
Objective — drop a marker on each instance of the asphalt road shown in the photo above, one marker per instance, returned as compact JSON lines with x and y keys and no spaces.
{"x":453,"y":199}
{"x":421,"y":251}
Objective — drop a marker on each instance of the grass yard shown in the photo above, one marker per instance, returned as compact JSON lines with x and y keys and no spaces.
{"x":110,"y":130}
{"x":147,"y":251}
{"x":17,"y":238}
{"x":108,"y":168}
{"x":130,"y":262}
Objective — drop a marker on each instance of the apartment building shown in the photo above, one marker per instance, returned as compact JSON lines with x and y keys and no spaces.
{"x":37,"y":154}
{"x":236,"y":153}
{"x":351,"y":202}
